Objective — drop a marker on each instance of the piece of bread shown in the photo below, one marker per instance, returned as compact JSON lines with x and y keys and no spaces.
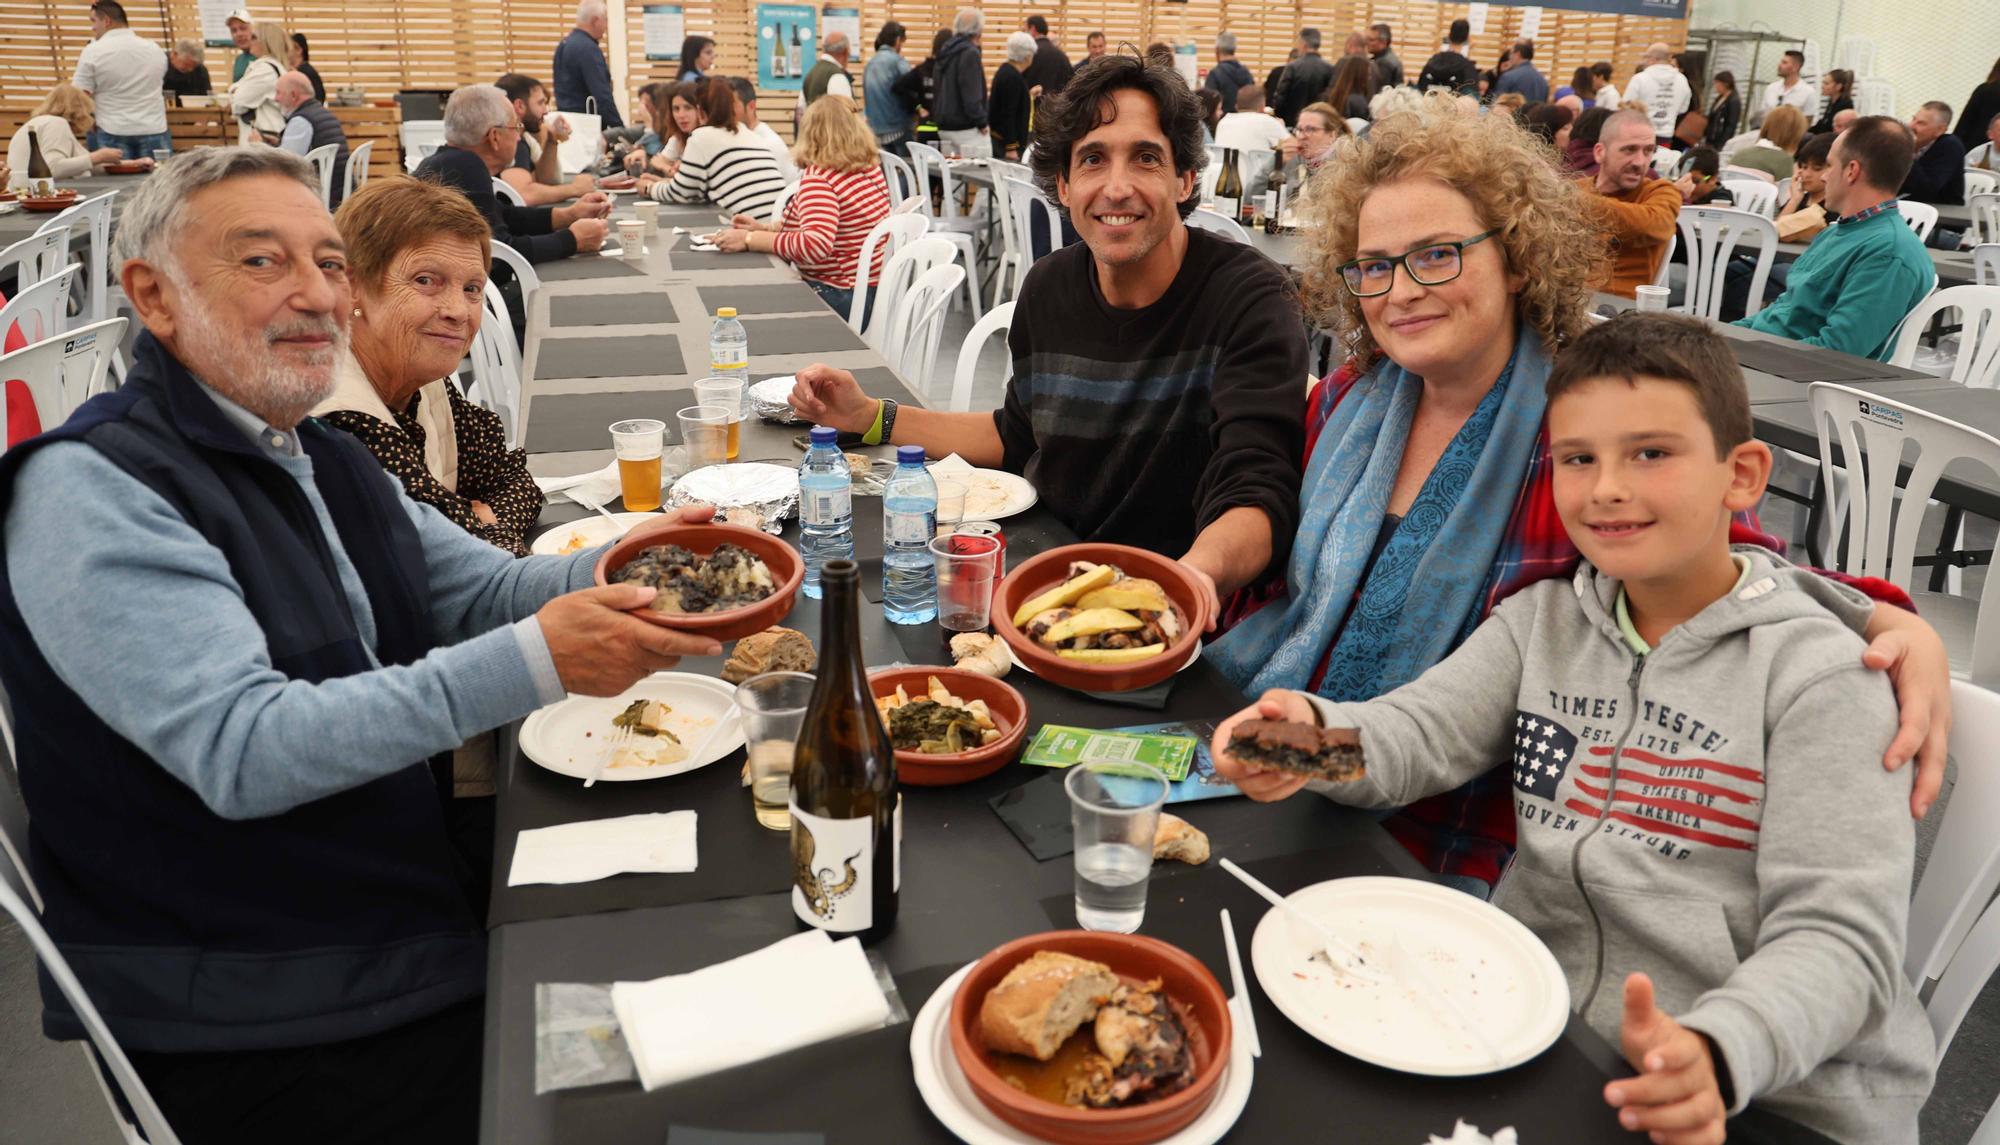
{"x":772,"y":650}
{"x":982,"y":653}
{"x":1302,"y":749}
{"x":1178,"y":839}
{"x":1042,"y":1001}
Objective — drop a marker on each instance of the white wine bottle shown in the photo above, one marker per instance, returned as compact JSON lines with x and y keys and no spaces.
{"x":1229,"y":186}
{"x":847,"y":819}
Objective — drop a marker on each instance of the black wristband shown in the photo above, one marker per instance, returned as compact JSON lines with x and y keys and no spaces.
{"x":888,"y":420}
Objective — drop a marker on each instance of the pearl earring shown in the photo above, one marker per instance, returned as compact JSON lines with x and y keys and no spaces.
{"x":357,"y":312}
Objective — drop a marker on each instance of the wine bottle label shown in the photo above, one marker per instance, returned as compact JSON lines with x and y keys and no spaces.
{"x":825,"y":507}
{"x":833,"y":863}
{"x":1225,"y":207}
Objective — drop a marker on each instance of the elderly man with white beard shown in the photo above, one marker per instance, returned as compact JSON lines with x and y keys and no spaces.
{"x":235,"y":652}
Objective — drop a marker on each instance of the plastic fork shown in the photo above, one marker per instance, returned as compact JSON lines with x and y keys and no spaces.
{"x":620,"y":738}
{"x":1341,"y":954}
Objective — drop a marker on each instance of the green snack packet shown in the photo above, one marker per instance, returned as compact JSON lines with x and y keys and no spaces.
{"x":1058,"y":746}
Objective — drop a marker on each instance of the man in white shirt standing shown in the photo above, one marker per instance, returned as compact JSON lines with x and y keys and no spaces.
{"x":122,"y":72}
{"x":1789,"y":88}
{"x":1663,"y":89}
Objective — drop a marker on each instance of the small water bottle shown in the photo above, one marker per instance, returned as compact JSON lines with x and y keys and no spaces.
{"x":729,"y":352}
{"x":909,"y":521}
{"x":826,"y":506}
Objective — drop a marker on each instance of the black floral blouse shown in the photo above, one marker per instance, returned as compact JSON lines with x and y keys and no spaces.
{"x":487,"y":470}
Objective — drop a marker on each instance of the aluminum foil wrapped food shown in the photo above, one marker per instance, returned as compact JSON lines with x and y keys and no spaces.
{"x":769,"y":400}
{"x":753,"y":494}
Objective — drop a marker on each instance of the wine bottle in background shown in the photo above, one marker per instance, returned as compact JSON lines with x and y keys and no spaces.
{"x":847,"y":819}
{"x":798,"y":63}
{"x":1229,"y":186}
{"x":778,"y":56}
{"x":38,"y":165}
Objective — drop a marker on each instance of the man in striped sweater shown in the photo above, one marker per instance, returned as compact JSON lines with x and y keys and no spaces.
{"x":1155,"y":397}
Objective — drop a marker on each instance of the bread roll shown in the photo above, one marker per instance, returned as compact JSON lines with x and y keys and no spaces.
{"x":772,"y":650}
{"x":1176,"y":838}
{"x":1042,"y":1001}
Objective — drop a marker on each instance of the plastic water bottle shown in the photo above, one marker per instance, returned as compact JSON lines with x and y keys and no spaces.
{"x":729,"y":352}
{"x":909,"y":521}
{"x":826,"y":506}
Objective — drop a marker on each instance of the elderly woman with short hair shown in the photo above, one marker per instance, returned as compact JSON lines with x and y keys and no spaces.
{"x":417,"y":257}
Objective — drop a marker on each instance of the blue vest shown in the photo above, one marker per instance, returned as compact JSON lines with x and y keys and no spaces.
{"x":194,"y":933}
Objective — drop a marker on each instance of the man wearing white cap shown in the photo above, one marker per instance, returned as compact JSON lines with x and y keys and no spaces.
{"x":242,"y":29}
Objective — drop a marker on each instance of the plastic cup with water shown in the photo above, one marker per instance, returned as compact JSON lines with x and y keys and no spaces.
{"x":774,"y":707}
{"x":951,"y":506}
{"x":1114,"y":809}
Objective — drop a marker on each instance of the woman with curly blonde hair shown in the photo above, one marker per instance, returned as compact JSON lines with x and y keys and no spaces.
{"x":1453,"y":261}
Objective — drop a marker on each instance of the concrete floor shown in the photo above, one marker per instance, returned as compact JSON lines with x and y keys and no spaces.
{"x":47,"y":1095}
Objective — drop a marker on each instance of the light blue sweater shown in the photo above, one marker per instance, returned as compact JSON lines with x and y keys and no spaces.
{"x":140,"y":616}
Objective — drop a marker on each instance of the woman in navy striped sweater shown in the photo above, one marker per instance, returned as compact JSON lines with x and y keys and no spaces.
{"x":723,"y":162}
{"x":840,"y":197}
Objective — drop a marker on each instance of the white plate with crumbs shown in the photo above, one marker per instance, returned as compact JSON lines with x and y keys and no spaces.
{"x":586,"y":533}
{"x":990,"y":494}
{"x":951,"y":1099}
{"x":1503,"y":979}
{"x":568,"y":737}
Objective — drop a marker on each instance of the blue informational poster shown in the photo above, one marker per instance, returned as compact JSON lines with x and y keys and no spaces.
{"x":1658,"y":9}
{"x":787,"y":45}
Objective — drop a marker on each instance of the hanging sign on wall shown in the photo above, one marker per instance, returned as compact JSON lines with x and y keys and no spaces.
{"x":787,"y":44}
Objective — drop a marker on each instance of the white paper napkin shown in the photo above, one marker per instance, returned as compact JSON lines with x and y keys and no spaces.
{"x":795,"y":992}
{"x":1463,"y":1134}
{"x":599,"y":848}
{"x":951,"y":464}
{"x":597,"y":487}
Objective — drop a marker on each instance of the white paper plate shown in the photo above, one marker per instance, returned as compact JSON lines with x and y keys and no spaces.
{"x":592,"y":531}
{"x":952,"y":1101}
{"x":567,"y":737}
{"x":1498,"y":972}
{"x":990,"y":494}
{"x":741,"y":483}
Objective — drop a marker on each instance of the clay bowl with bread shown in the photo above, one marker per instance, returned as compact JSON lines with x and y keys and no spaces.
{"x":1009,"y":710}
{"x":787,"y":573}
{"x":1047,"y":582}
{"x":1038,"y":1004}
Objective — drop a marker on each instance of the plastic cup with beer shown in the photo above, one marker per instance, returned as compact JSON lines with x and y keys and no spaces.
{"x":639,"y":443}
{"x":705,"y":432}
{"x":727,"y":393}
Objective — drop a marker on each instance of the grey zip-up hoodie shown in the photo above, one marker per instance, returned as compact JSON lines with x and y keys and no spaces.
{"x":1714,"y":813}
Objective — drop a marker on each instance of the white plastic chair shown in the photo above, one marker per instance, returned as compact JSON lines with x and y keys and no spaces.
{"x":1713,"y":234}
{"x":1985,"y":210}
{"x":1660,"y":277}
{"x":100,"y":289}
{"x":1784,"y":186}
{"x":1986,"y":264}
{"x":524,"y":271}
{"x":1755,"y":197}
{"x":63,"y":372}
{"x":918,"y":324}
{"x":41,"y":310}
{"x":36,"y":257}
{"x":949,"y":221}
{"x":420,"y":138}
{"x":1013,"y":244}
{"x":1024,"y":199}
{"x":356,"y":175}
{"x":783,"y":200}
{"x":918,"y":257}
{"x":496,"y":365}
{"x":997,"y":321}
{"x":895,"y":230}
{"x":1979,"y":181}
{"x":507,"y":193}
{"x":1664,"y":160}
{"x":1962,"y":874}
{"x":1978,"y":361}
{"x":1922,"y":217}
{"x":910,"y":206}
{"x":322,"y":158}
{"x":1216,"y":223}
{"x":903,"y":185}
{"x":1878,"y":429}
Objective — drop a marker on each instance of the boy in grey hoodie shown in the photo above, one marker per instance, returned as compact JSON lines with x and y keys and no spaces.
{"x":1704,"y":828}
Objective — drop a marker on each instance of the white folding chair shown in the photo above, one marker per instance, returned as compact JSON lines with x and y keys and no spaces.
{"x":1984,"y":207}
{"x":41,"y":310}
{"x":356,"y":175}
{"x":905,"y":267}
{"x":1878,"y":429}
{"x":903,"y":184}
{"x":1978,"y":307}
{"x":322,"y":159}
{"x":1713,"y":234}
{"x":36,"y":257}
{"x":496,"y":365}
{"x":895,"y":230}
{"x":1216,"y":223}
{"x":997,"y":321}
{"x":1986,"y":264}
{"x":420,"y":138}
{"x":1013,"y":244}
{"x":1664,"y":160}
{"x":1660,"y":277}
{"x":524,"y":271}
{"x":1963,"y":872}
{"x":918,"y":324}
{"x":1922,"y":217}
{"x":1979,"y":181}
{"x":1026,"y":200}
{"x":911,"y":206}
{"x":1757,"y":198}
{"x":507,"y":193}
{"x":99,"y":285}
{"x":949,"y":221}
{"x":1784,"y":193}
{"x":62,"y":373}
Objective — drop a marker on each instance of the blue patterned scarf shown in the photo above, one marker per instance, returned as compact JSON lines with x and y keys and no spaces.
{"x":1423,"y":594}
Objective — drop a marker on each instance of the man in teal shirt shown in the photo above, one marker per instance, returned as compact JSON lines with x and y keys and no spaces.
{"x":1864,"y":273}
{"x":242,"y":30}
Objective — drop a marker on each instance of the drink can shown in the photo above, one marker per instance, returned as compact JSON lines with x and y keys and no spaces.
{"x":988,"y":529}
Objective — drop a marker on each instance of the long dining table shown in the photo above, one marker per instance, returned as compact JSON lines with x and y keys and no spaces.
{"x":608,"y":338}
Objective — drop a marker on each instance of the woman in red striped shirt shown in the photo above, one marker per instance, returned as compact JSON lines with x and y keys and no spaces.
{"x":841,"y":196}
